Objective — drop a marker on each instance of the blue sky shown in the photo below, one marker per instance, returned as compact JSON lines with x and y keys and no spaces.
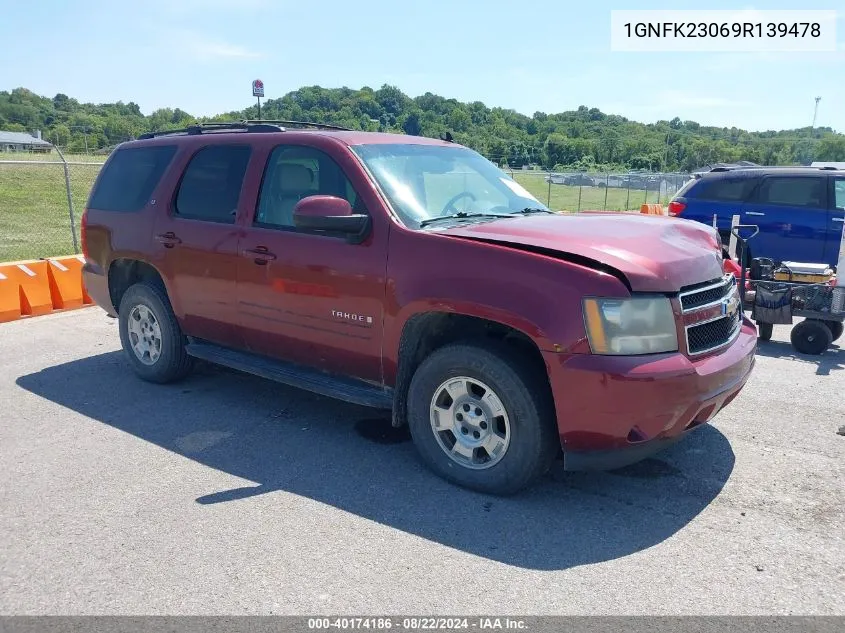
{"x":201,"y":55}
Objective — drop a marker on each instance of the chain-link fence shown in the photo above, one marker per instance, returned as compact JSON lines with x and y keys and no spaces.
{"x":41,"y":199}
{"x":43,"y":195}
{"x":588,"y":191}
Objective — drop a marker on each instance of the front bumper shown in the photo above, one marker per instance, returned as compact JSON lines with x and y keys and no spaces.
{"x":615,"y":411}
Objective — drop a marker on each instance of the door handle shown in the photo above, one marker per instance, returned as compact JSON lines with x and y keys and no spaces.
{"x":754,"y":213}
{"x":260,"y":255}
{"x":838,"y":219}
{"x":169,"y":239}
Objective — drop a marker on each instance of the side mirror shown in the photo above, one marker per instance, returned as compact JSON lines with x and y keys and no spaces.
{"x":330,"y":214}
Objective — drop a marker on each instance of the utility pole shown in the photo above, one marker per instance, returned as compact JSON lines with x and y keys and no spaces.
{"x":816,"y":112}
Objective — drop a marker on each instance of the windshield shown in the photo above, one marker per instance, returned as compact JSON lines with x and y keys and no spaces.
{"x":424,"y":182}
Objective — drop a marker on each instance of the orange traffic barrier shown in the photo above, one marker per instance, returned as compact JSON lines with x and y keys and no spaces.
{"x":66,"y":287}
{"x":653,"y":209}
{"x":10,"y":301}
{"x":36,"y":287}
{"x":25,"y":289}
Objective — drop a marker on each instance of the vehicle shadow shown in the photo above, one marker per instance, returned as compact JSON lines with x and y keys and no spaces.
{"x":343,"y":455}
{"x":831,"y":360}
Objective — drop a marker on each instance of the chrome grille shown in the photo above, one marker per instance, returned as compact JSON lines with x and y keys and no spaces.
{"x":712,"y":314}
{"x":712,"y":335}
{"x":706,"y":293}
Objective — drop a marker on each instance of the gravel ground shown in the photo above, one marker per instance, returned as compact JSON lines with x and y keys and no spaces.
{"x":228,"y":494}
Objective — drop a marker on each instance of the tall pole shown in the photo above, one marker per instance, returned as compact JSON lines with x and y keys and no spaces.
{"x":816,"y":112}
{"x":258,"y":92}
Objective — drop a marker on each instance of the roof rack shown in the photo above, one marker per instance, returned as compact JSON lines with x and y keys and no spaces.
{"x":319,"y":126}
{"x":216,"y":126}
{"x":752,"y":167}
{"x":246,"y":125}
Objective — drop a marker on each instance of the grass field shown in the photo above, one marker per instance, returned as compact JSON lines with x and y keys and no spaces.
{"x":35,"y":222}
{"x":566,"y":198}
{"x":34,"y":217}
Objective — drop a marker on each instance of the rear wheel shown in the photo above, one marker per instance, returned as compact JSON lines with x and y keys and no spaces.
{"x":836,"y":328}
{"x":811,"y":337}
{"x":764,"y":331}
{"x":151,"y":337}
{"x":482,"y":418}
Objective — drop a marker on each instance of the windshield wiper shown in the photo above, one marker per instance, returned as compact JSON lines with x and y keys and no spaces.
{"x":530,"y":210}
{"x":463,"y":214}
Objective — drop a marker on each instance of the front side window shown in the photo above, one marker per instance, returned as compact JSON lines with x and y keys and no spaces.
{"x":296,"y":172}
{"x":211,"y":185}
{"x":793,"y":192}
{"x":424,"y":182}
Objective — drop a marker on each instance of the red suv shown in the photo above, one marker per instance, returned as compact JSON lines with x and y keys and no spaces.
{"x":411,"y":274}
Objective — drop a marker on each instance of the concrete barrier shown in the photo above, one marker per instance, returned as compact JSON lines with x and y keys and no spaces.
{"x":41,"y":286}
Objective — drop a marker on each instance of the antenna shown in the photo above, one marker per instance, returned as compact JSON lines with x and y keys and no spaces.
{"x":816,"y":112}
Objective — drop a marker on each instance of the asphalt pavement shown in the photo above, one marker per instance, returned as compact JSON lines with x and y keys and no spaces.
{"x":229,"y":494}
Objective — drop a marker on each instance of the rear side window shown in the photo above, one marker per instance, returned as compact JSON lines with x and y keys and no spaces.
{"x":839,"y":193}
{"x":129,"y":177}
{"x":212,"y":184}
{"x":724,"y":189}
{"x":793,"y":192}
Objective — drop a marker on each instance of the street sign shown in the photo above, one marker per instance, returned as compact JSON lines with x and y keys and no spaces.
{"x":257,"y":88}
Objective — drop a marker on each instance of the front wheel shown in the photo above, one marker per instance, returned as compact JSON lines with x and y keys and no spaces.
{"x":151,"y":337}
{"x":482,"y":418}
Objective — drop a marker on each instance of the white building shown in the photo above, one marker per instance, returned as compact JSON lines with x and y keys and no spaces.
{"x":23,"y":142}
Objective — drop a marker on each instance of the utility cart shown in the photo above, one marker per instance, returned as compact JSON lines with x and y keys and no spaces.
{"x":778,"y":292}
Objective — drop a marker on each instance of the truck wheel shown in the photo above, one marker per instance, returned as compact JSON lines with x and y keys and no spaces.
{"x":811,"y":337}
{"x":764,"y":331}
{"x":480,"y":418}
{"x":151,"y":336}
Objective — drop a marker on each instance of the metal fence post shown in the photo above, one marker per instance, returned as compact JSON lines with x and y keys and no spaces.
{"x":628,"y":197}
{"x":606,"y":187}
{"x":549,"y":200}
{"x":580,"y":188}
{"x":69,"y":200}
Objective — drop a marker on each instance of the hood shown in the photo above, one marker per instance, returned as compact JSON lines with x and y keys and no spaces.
{"x":654,"y":253}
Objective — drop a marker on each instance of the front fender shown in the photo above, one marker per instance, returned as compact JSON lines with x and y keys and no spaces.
{"x":537,"y":294}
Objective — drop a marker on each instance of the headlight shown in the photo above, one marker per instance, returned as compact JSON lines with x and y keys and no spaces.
{"x":641,"y":325}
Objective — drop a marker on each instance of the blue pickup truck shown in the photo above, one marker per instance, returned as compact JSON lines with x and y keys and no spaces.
{"x":800,"y":210}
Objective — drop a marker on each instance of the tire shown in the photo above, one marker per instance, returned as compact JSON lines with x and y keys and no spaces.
{"x":532,"y":440}
{"x":836,"y":329}
{"x":764,"y":331}
{"x":811,"y":337}
{"x":162,"y":363}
